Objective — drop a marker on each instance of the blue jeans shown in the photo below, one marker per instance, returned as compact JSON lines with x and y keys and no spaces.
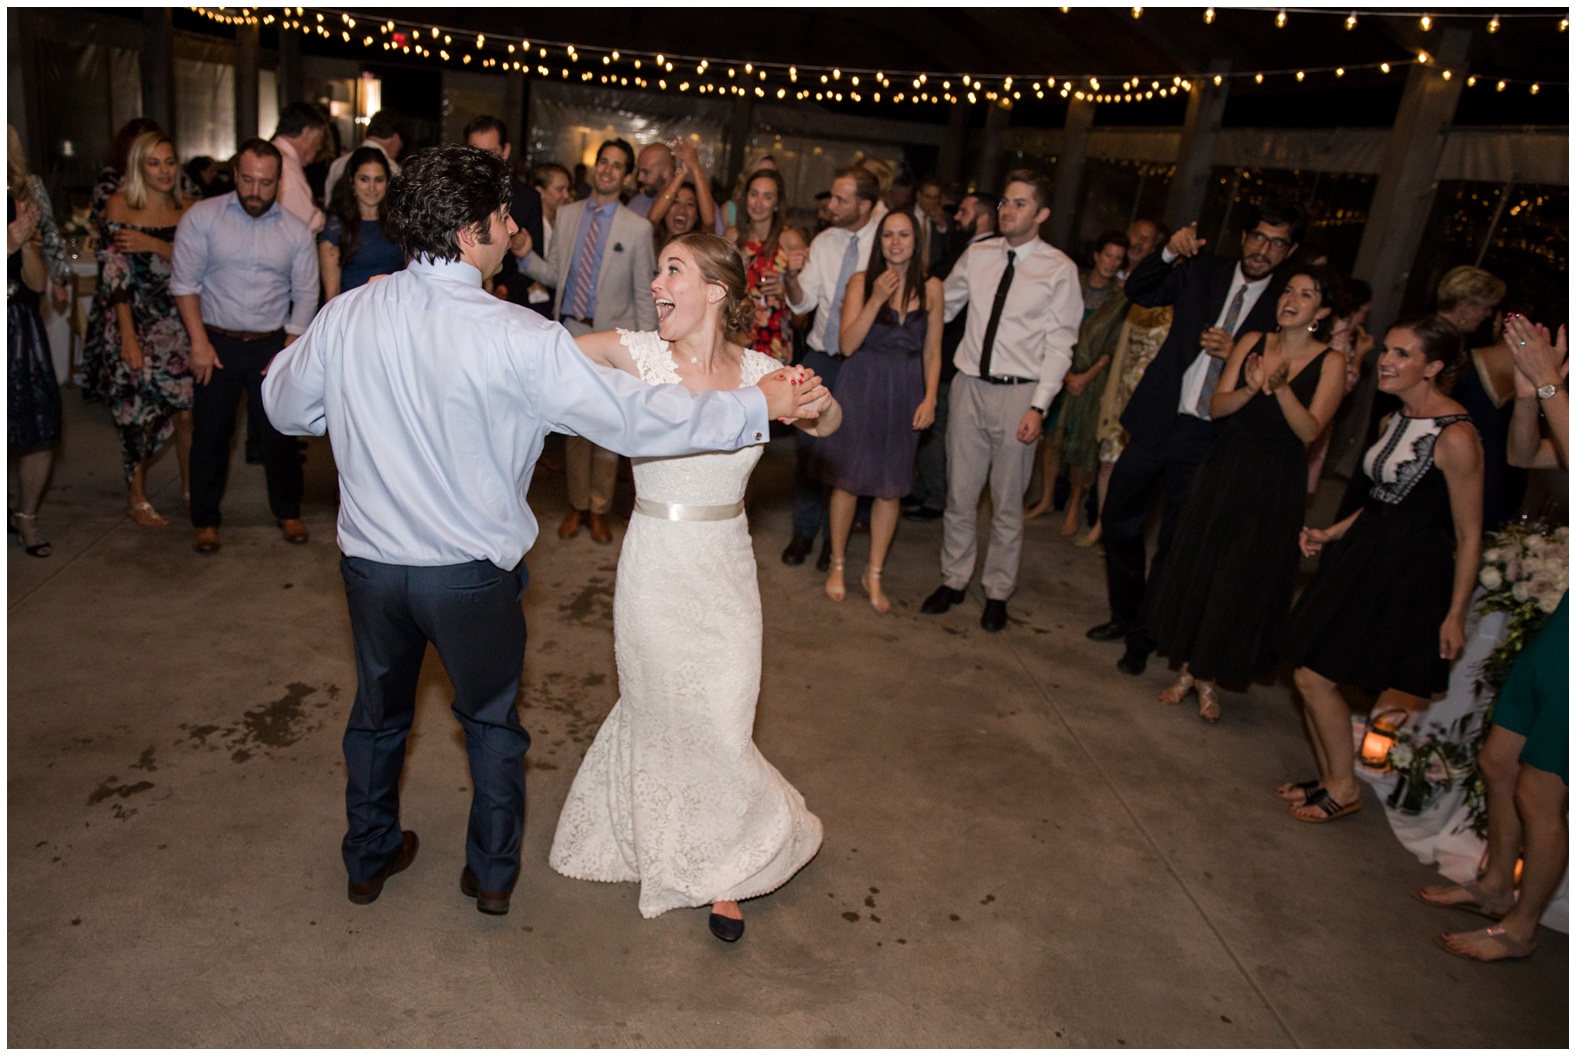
{"x":471,"y":613}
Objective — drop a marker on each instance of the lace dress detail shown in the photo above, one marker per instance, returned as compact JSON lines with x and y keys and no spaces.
{"x":673,"y":792}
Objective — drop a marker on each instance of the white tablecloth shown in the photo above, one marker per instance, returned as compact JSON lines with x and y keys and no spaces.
{"x":1440,"y":833}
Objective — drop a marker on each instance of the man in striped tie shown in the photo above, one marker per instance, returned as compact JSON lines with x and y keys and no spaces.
{"x":1217,"y":299}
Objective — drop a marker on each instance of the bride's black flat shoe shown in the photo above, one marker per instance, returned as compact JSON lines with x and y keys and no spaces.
{"x":725,"y":928}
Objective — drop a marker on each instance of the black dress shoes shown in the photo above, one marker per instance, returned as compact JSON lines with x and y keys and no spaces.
{"x":725,"y":928}
{"x":994,"y":618}
{"x":495,"y":903}
{"x":797,"y":550}
{"x":942,"y":599}
{"x":824,"y":562}
{"x":1107,"y":632}
{"x":367,"y":893}
{"x":1135,"y":659}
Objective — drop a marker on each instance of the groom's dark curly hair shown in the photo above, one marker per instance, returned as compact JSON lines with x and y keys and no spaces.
{"x":440,"y":192}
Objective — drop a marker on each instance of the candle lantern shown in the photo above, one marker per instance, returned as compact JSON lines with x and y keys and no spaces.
{"x":1381,"y":735}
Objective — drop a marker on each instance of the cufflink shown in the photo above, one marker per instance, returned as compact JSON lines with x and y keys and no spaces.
{"x":757,"y":436}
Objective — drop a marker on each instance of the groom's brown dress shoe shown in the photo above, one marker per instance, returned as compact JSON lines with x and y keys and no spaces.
{"x":600,"y":532}
{"x":570,"y":526}
{"x":495,"y":903}
{"x":367,"y":893}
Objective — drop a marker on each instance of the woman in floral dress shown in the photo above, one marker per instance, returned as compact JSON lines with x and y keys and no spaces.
{"x":769,"y":248}
{"x":150,"y":384}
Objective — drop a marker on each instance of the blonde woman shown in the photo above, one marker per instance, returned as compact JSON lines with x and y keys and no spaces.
{"x":151,"y":382}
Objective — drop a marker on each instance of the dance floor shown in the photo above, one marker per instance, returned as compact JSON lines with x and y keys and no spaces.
{"x":1022,"y":847}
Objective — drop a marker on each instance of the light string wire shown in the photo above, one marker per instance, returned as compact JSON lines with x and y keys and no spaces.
{"x":823,"y":83}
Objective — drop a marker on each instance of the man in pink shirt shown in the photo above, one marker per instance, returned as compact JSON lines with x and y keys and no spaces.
{"x":299,"y":136}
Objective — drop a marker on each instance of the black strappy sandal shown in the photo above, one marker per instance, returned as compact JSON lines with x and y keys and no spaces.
{"x":37,"y":549}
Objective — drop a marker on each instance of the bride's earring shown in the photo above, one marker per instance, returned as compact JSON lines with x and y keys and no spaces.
{"x":1313,"y":327}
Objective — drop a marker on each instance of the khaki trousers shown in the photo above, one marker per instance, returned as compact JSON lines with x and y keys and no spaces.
{"x":983,"y":446}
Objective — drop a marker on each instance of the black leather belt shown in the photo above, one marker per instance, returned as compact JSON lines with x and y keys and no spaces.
{"x":1006,"y":379}
{"x":244,"y":335}
{"x":576,"y":318}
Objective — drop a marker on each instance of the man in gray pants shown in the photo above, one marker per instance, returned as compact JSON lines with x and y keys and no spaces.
{"x":1025,"y":307}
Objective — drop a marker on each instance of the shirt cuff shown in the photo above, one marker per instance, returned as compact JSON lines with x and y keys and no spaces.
{"x":1166,"y":256}
{"x":757,"y":426}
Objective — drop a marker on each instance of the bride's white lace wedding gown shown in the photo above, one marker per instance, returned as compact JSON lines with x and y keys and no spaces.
{"x":673,"y":792}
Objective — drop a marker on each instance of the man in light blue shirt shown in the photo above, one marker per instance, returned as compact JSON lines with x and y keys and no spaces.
{"x":244,"y":276}
{"x":437,"y":397}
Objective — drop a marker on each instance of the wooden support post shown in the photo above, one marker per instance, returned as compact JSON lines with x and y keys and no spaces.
{"x":158,"y":67}
{"x":1069,"y":175}
{"x":246,"y":82}
{"x":1405,"y":193}
{"x":949,"y":168}
{"x":990,"y":157}
{"x":1190,"y":184}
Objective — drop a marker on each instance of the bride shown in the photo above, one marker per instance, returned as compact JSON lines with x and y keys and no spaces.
{"x":673,"y":792}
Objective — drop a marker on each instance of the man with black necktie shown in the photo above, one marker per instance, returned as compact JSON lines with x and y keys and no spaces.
{"x":1217,"y":300}
{"x":1024,"y":310}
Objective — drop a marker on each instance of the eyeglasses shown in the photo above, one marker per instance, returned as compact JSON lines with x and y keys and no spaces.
{"x":1260,"y":238}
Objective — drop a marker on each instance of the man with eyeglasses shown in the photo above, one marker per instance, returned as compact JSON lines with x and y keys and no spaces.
{"x":1217,"y":300}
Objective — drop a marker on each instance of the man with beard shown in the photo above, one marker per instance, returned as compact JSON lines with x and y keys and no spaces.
{"x":244,"y":276}
{"x":1217,"y":300}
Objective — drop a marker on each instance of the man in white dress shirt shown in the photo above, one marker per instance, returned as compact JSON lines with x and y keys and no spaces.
{"x":1024,"y":311}
{"x":436,"y":397}
{"x":836,"y":254}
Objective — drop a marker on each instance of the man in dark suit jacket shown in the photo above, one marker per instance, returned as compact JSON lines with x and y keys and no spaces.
{"x":525,"y":209}
{"x":1217,"y":300}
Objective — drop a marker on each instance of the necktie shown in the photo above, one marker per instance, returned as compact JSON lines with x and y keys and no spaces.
{"x":834,"y":317}
{"x":995,"y":315}
{"x":1218,"y":366}
{"x":585,"y":276}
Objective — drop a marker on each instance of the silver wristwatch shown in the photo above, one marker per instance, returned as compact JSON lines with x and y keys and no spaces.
{"x":1546,"y":392}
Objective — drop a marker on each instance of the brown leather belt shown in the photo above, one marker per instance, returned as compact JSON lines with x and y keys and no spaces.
{"x":243,"y":335}
{"x":576,"y":318}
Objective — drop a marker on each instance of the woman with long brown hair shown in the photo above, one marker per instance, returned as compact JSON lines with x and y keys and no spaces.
{"x":769,"y":247}
{"x":673,"y":794}
{"x":891,"y":339}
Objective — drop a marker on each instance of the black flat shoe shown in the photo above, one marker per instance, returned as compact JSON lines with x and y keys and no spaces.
{"x":725,"y":928}
{"x":797,"y":550}
{"x":40,"y":549}
{"x":994,"y":618}
{"x":1107,"y":632}
{"x":824,"y":562}
{"x":1134,"y":660}
{"x":940,"y":600}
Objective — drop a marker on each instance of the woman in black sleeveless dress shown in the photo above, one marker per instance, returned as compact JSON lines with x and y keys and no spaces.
{"x":1227,"y":586}
{"x":1387,"y":609}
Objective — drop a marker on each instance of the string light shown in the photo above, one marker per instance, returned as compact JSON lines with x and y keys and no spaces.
{"x":783,"y":80}
{"x":1426,"y":22}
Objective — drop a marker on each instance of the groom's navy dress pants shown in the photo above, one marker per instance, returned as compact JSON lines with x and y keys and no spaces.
{"x":471,"y":614}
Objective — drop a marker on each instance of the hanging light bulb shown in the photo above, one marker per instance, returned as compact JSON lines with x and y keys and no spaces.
{"x":1340,"y":71}
{"x":1258,"y":78}
{"x":1384,"y":67}
{"x":1426,"y":22}
{"x":1533,"y":89}
{"x":1299,"y":75}
{"x":1493,"y":24}
{"x":1500,"y":87}
{"x":1209,"y":16}
{"x":1280,"y":19}
{"x":1138,"y":12}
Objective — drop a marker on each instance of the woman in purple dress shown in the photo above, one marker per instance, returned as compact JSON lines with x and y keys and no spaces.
{"x":891,"y":331}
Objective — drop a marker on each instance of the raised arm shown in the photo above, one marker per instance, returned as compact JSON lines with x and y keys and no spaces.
{"x":1538,"y":362}
{"x":606,"y":348}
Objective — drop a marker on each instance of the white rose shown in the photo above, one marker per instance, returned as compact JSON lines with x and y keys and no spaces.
{"x":1519,"y":592}
{"x":1401,"y":756}
{"x":1549,"y":602}
{"x":1493,"y":556}
{"x":1491,"y":578}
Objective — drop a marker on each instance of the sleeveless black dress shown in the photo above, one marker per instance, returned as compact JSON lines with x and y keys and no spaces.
{"x":32,"y":393}
{"x":1370,"y":617}
{"x":1226,"y":588}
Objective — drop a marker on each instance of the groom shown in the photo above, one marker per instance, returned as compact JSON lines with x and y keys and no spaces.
{"x":436,"y":398}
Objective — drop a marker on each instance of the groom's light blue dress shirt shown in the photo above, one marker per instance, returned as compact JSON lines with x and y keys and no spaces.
{"x":436,"y":397}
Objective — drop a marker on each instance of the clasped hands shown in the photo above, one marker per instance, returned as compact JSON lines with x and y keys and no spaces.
{"x":794,"y":393}
{"x":1539,"y":361}
{"x":1254,"y":375}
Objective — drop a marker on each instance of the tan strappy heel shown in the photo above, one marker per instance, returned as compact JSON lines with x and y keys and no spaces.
{"x":871,"y":581}
{"x":834,"y":581}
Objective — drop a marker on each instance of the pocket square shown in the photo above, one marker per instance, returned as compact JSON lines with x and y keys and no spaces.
{"x":618,"y":247}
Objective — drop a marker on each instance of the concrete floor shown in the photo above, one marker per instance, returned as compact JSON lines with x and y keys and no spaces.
{"x":1022,"y":848}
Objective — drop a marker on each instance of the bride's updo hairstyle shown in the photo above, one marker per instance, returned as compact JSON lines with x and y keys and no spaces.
{"x":720,"y":265}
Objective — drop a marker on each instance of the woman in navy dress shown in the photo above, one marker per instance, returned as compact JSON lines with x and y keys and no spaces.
{"x":1387,"y":609}
{"x":1226,"y":589}
{"x":352,"y":248}
{"x":891,"y":333}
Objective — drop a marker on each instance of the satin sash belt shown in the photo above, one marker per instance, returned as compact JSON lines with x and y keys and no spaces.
{"x":675,"y":511}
